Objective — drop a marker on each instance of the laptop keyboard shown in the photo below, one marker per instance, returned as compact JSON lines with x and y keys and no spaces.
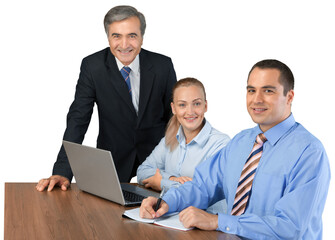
{"x":132,"y":197}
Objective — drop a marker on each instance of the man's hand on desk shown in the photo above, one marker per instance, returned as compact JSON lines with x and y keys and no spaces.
{"x":51,"y":182}
{"x":147,"y":208}
{"x":195,"y":217}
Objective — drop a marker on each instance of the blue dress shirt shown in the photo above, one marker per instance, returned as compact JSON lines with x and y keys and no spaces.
{"x":184,"y":158}
{"x":289,"y":189}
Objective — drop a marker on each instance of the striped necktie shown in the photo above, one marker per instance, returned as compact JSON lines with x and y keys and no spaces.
{"x":247,"y":176}
{"x":125,"y":74}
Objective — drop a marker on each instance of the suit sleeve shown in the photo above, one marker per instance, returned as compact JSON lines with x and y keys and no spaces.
{"x":78,"y":118}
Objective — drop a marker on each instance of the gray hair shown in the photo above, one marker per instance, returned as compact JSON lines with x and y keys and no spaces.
{"x":120,"y":13}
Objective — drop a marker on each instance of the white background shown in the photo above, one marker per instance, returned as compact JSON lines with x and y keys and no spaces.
{"x":42,"y":44}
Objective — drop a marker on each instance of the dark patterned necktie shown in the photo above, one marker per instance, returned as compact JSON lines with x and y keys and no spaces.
{"x":125,"y":74}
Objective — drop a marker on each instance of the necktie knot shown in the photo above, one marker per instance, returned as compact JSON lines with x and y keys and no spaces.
{"x":125,"y":74}
{"x":261,"y":139}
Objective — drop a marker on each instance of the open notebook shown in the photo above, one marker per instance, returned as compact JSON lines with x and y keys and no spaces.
{"x":170,"y":220}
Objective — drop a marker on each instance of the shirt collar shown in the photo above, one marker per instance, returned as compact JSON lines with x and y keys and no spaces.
{"x":134,"y":65}
{"x":276,"y":132}
{"x":200,"y":139}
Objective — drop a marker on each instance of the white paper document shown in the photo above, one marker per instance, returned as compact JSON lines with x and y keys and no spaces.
{"x":170,"y":220}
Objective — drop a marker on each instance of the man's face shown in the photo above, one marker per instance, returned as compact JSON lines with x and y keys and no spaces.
{"x":125,"y":39}
{"x":266,"y":102}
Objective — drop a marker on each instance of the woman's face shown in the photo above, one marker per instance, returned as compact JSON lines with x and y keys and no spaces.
{"x":189,"y":106}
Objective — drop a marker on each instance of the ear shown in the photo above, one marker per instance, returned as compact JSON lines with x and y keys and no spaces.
{"x":173,"y":109}
{"x":206,"y":106}
{"x":290,"y":96}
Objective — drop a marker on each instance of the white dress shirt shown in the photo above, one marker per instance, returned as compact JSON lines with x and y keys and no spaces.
{"x":134,"y":79}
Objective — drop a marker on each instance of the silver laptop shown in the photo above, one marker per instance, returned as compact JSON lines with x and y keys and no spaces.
{"x":95,"y":173}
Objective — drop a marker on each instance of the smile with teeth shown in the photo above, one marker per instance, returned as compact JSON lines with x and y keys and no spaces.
{"x":190,"y":118}
{"x":259,"y":109}
{"x":125,"y":51}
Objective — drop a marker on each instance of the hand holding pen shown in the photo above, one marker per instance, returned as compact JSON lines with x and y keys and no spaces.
{"x":152,"y":207}
{"x":159,"y":199}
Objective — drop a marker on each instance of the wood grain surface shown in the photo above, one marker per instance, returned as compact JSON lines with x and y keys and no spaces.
{"x":74,"y":214}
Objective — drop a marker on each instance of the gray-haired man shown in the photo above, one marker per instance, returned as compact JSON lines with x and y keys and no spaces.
{"x":133,"y":110}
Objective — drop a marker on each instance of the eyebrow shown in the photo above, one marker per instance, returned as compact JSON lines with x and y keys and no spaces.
{"x":197,"y":99}
{"x":118,"y":34}
{"x":264,"y":87}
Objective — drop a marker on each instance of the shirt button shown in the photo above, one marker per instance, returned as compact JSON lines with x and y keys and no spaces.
{"x":227,"y":229}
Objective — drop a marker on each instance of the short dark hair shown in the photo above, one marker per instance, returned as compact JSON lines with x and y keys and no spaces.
{"x":286,"y":77}
{"x":123,"y":12}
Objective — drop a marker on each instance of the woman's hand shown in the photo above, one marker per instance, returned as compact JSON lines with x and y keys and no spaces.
{"x":181,"y":179}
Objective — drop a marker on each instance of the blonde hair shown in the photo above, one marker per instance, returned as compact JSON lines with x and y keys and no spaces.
{"x":173,"y":124}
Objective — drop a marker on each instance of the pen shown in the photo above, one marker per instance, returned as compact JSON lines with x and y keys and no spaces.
{"x":159,"y":200}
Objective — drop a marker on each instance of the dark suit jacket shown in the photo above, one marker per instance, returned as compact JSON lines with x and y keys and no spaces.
{"x":121,"y":131}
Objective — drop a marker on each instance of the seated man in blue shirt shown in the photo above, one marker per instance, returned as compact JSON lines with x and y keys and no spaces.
{"x":275,"y":186}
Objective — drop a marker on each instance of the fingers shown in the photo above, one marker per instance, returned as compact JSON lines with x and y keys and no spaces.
{"x":181,"y":180}
{"x":146,"y":183}
{"x":146,"y":209}
{"x":188,"y":217}
{"x":51,"y":182}
{"x":194,"y":217}
{"x":42,"y":184}
{"x":153,"y":182}
{"x":65,"y":183}
{"x":173,"y":178}
{"x":188,"y":179}
{"x":163,"y":209}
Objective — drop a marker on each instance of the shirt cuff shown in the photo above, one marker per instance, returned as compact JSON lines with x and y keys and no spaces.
{"x":227,"y":223}
{"x":170,"y":201}
{"x":165,"y":175}
{"x":167,"y":184}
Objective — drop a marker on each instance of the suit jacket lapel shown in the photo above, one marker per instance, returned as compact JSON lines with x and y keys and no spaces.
{"x":118,"y":81}
{"x":147,"y":79}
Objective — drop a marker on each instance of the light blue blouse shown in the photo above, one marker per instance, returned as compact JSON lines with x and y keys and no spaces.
{"x":184,"y":158}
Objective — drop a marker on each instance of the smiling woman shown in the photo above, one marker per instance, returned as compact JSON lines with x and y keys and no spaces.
{"x":188,"y":141}
{"x":188,"y":107}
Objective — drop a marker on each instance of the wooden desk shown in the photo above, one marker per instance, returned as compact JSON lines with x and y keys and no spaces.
{"x":74,"y":214}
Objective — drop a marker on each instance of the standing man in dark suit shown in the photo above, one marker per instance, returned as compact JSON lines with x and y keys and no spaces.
{"x":131,"y":88}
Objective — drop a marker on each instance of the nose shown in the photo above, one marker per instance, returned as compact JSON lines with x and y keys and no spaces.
{"x":258,"y":97}
{"x":190,"y":109}
{"x":124,"y":43}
